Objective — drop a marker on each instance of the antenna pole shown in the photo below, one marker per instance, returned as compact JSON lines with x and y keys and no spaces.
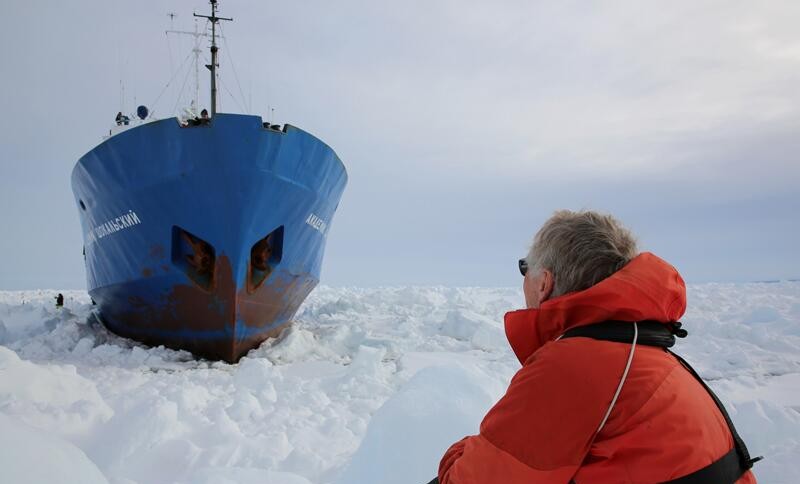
{"x":196,"y":51}
{"x":214,"y":49}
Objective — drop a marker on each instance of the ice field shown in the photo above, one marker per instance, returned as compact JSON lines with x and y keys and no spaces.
{"x":369,"y":386}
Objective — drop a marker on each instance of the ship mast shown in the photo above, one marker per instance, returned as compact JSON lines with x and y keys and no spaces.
{"x":213,"y":66}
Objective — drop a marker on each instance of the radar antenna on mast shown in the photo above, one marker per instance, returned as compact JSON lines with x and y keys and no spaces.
{"x":213,"y":66}
{"x":196,"y":51}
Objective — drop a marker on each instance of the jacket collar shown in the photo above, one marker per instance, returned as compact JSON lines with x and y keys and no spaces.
{"x":647,"y":288}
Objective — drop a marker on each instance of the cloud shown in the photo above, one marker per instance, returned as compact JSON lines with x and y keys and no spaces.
{"x":462,"y":123}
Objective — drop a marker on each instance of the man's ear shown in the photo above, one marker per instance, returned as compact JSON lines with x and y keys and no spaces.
{"x":546,"y":286}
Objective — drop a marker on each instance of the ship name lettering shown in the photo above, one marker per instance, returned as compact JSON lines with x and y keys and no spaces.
{"x":317,"y":223}
{"x":113,"y":226}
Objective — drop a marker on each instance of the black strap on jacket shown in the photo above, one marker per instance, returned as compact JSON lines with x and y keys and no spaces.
{"x":727,"y":469}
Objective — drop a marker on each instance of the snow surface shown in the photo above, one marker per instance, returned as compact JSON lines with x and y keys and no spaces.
{"x":368,"y":386}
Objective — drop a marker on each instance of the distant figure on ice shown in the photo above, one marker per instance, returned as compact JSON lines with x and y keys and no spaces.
{"x":204,"y":115}
{"x":599,"y":398}
{"x":60,"y":300}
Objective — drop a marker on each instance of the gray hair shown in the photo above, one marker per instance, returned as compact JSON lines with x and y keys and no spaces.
{"x":580,"y":249}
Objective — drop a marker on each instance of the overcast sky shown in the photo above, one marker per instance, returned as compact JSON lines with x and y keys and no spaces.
{"x":463,"y":124}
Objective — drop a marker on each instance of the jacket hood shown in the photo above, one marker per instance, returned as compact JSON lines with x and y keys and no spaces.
{"x":647,"y":288}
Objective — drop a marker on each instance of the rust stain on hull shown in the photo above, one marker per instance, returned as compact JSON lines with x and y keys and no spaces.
{"x":189,"y":311}
{"x":157,"y":252}
{"x":209,"y":349}
{"x":274,"y":299}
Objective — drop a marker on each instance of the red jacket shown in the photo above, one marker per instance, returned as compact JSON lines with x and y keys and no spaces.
{"x":664,"y":425}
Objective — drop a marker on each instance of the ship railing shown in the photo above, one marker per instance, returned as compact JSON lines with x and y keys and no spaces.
{"x":119,"y":128}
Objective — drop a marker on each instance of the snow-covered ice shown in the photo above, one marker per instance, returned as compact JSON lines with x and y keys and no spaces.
{"x":368,"y":386}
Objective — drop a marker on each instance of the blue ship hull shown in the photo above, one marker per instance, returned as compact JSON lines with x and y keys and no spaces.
{"x":205,"y":238}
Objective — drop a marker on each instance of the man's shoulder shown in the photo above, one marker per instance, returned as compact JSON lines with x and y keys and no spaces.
{"x":587,"y":362}
{"x":575,"y":353}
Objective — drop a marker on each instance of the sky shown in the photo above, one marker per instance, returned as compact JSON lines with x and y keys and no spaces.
{"x":463,"y":125}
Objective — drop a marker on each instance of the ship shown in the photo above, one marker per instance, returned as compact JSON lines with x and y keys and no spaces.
{"x":205,"y":234}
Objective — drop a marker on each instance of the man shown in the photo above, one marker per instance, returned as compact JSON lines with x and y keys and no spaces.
{"x":585,"y":409}
{"x":122,"y":119}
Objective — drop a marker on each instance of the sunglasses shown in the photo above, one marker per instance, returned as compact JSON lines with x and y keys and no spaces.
{"x":523,"y":267}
